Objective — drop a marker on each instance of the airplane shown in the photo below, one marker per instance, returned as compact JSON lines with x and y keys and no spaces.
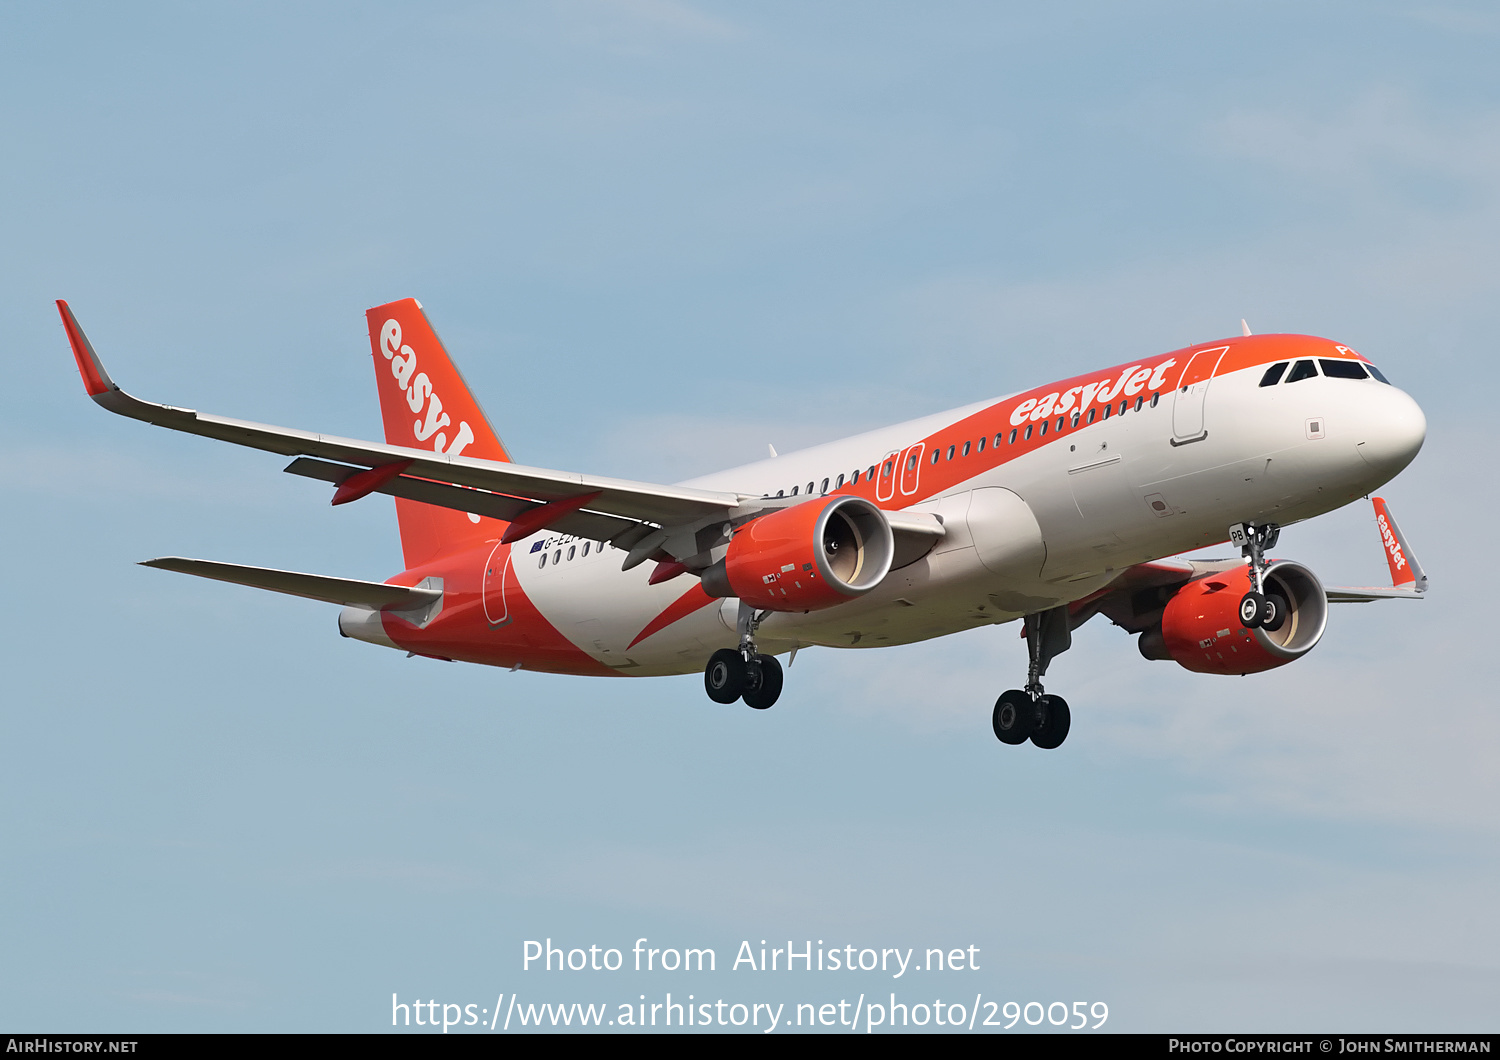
{"x":1047,"y":506}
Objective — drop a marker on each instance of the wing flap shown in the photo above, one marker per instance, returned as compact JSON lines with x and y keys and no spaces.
{"x":377,"y":595}
{"x":596,"y":526}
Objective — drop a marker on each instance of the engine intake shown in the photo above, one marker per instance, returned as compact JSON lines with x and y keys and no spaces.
{"x":1201,"y":631}
{"x":808,"y":557}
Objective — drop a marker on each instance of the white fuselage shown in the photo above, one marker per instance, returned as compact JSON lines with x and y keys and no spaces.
{"x":1043,"y":528}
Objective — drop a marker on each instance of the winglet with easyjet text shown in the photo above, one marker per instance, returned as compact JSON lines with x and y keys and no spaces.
{"x":1406,"y":572}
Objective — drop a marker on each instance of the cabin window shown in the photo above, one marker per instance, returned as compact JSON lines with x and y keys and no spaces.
{"x":1044,"y":428}
{"x":854,"y":479}
{"x":1124,"y":405}
{"x":1302,"y":370}
{"x":1028,"y":432}
{"x":981,"y":443}
{"x":1377,"y":374}
{"x":889,"y":467}
{"x":840,"y":483}
{"x":966,"y":448}
{"x":950,"y":452}
{"x":1108,"y":411}
{"x":825,"y":486}
{"x":1001,"y":435}
{"x":586,"y":547}
{"x":781,"y":493}
{"x":542,"y":562}
{"x":1155,"y":398}
{"x":1139,"y":402}
{"x":794,"y":491}
{"x":1012,"y":438}
{"x":1273,"y":373}
{"x":557,"y":557}
{"x":1343,"y":369}
{"x":809,"y":489}
{"x":1091,"y":414}
{"x":572,"y":551}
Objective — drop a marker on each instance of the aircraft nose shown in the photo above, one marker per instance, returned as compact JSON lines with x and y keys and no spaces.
{"x":1394,"y":429}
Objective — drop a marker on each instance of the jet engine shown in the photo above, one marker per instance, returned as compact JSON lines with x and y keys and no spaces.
{"x":807,"y":557}
{"x":1201,"y":630}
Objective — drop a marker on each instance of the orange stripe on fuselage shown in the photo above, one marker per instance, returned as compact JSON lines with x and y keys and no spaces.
{"x":462,"y":632}
{"x":1244,"y":352}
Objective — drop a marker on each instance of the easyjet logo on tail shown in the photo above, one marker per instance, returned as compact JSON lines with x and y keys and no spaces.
{"x":420,"y":395}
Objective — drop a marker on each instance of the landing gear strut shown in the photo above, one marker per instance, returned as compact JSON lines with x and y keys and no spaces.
{"x":1029,"y":713}
{"x":1257,"y":607}
{"x":744,"y":673}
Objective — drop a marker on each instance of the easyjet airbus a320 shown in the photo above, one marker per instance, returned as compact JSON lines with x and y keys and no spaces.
{"x":1048,"y":506}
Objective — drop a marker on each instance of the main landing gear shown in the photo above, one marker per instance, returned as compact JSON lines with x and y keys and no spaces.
{"x":744,"y":673}
{"x":1029,"y":713}
{"x":1258,"y":608}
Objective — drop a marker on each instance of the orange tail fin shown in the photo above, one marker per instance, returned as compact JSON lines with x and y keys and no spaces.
{"x":427,"y":405}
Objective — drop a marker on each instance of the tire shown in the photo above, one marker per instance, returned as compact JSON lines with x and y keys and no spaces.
{"x":1056,"y":721}
{"x":1274,"y":615}
{"x":1252,"y":610}
{"x":763,"y":679}
{"x":724,"y":676}
{"x":1014,"y":718}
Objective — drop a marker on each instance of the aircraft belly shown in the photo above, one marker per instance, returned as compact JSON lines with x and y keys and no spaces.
{"x":602,"y":610}
{"x":943,"y":592}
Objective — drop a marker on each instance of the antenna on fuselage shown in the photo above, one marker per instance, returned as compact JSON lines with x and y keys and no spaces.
{"x":1243,"y":326}
{"x":771,"y":449}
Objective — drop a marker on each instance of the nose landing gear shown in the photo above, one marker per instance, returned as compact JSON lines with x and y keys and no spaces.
{"x":1258,"y":609}
{"x":1030,"y":713}
{"x":744,"y":673}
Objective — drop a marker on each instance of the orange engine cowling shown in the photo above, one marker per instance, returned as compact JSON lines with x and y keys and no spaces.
{"x":810,"y":556}
{"x":1201,"y":630}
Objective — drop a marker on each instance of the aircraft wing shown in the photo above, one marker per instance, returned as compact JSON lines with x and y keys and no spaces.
{"x":1364,"y":594}
{"x":1133,"y":601}
{"x":486,"y":487}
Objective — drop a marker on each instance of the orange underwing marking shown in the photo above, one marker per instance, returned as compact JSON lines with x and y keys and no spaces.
{"x":692,"y":600}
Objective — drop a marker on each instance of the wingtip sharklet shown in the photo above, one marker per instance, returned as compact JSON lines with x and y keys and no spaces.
{"x":1406,"y":571}
{"x":95,"y":379}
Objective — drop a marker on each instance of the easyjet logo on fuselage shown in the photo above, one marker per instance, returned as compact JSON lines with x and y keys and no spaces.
{"x":419,"y":393}
{"x":1131,"y":382}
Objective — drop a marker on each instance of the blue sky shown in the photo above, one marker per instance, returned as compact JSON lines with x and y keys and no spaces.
{"x":656,"y":236}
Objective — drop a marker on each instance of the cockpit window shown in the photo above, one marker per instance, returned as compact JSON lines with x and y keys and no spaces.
{"x":1377,"y":374}
{"x":1273,"y":373}
{"x":1302,"y":370}
{"x":1343,"y":369}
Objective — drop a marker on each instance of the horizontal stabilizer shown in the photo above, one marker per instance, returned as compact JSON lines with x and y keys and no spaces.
{"x":346,"y":591}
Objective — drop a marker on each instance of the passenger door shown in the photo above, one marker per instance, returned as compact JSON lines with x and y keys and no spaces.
{"x":1192,"y":390}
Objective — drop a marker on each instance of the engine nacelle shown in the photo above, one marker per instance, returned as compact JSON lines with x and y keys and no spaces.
{"x":1201,"y":630}
{"x":807,"y":557}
